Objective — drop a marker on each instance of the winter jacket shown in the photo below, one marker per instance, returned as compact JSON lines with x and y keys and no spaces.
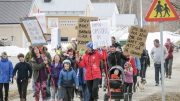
{"x":67,"y":78}
{"x":145,"y":59}
{"x":37,"y":67}
{"x":116,"y":58}
{"x":81,"y":76}
{"x":24,"y":70}
{"x":92,"y":64}
{"x":137,"y":63}
{"x":6,"y":71}
{"x":114,"y":76}
{"x":156,"y":54}
{"x":55,"y":71}
{"x":170,"y":49}
{"x":28,"y":57}
{"x":132,"y":61}
{"x":128,"y":76}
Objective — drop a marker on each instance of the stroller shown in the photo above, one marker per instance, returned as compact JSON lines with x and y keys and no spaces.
{"x":115,"y":84}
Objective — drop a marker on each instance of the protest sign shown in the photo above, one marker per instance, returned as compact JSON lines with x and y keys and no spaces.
{"x":100,"y":32}
{"x":136,"y":41}
{"x":55,"y":38}
{"x":84,"y":31}
{"x":42,"y":21}
{"x":53,"y":22}
{"x":33,"y":31}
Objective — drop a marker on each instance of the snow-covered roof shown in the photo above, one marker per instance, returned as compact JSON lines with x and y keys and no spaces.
{"x":126,"y":20}
{"x":104,"y":10}
{"x":63,"y":5}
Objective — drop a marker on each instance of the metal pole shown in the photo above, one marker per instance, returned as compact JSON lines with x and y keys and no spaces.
{"x":141,"y":13}
{"x":162,"y":62}
{"x":130,"y":7}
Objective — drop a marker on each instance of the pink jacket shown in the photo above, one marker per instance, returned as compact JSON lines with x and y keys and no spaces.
{"x":128,"y":77}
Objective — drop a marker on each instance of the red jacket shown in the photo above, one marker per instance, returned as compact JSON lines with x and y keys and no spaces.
{"x":92,"y":65}
{"x":114,"y":76}
{"x":132,"y":61}
{"x":170,"y":50}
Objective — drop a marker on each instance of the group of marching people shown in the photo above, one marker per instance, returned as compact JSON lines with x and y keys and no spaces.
{"x":70,"y":73}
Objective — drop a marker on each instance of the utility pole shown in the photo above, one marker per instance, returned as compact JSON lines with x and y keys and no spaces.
{"x":130,"y":6}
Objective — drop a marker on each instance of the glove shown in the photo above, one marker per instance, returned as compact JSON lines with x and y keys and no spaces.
{"x":77,"y":87}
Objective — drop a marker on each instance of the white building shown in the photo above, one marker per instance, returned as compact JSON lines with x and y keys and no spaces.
{"x":11,"y":11}
{"x":105,"y":11}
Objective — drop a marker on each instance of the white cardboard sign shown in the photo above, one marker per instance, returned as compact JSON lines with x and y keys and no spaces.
{"x":100,"y":33}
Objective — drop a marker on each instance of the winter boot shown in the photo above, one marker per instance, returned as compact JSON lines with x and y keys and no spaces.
{"x":130,"y":96}
{"x":126,"y":97}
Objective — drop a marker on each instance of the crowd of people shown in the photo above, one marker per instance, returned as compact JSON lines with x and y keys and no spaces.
{"x":74,"y":72}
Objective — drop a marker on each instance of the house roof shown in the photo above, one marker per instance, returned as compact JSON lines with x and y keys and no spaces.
{"x":63,"y":5}
{"x":126,"y":20}
{"x":12,"y":10}
{"x":104,"y":10}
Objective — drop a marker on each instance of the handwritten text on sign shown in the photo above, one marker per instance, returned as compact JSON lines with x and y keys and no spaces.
{"x":136,"y":41}
{"x":84,"y":31}
{"x":100,"y":31}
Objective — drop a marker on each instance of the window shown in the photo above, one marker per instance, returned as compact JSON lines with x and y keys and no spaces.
{"x":64,"y":38}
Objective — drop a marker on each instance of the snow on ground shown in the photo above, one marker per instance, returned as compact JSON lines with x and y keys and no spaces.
{"x":14,"y":50}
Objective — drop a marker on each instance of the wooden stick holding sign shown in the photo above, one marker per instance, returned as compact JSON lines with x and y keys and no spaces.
{"x":136,"y":41}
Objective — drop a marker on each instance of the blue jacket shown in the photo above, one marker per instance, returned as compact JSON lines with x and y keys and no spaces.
{"x":81,"y":76}
{"x":138,"y":63}
{"x":6,"y":71}
{"x":67,"y":78}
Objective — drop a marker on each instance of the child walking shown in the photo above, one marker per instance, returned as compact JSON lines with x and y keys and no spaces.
{"x":128,"y":81}
{"x":23,"y":77}
{"x":67,"y":81}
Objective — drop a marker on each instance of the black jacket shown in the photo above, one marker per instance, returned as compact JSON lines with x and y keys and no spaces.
{"x":145,"y":60}
{"x":116,"y":58}
{"x":24,"y":70}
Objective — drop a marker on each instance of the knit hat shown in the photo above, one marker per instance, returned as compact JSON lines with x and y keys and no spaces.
{"x":127,"y":64}
{"x":67,"y":61}
{"x":89,"y":45}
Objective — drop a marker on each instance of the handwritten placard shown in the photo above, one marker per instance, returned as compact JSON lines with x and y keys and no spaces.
{"x":84,"y":31}
{"x":42,"y":21}
{"x":33,"y":31}
{"x":136,"y":41}
{"x":100,"y":32}
{"x":55,"y":38}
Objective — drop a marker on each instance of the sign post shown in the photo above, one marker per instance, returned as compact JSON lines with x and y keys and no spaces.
{"x":162,"y":63}
{"x":160,"y":11}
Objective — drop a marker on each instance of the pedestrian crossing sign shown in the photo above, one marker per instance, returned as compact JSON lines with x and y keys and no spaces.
{"x":161,"y":10}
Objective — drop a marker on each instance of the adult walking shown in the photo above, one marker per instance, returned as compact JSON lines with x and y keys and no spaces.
{"x":23,"y":76}
{"x":56,"y":67}
{"x":40,"y":73}
{"x":145,"y":62}
{"x":6,"y":73}
{"x":91,"y":61}
{"x":169,"y":59}
{"x":156,"y":56}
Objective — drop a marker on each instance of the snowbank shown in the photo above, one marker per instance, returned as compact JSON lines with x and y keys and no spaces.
{"x":13,"y":50}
